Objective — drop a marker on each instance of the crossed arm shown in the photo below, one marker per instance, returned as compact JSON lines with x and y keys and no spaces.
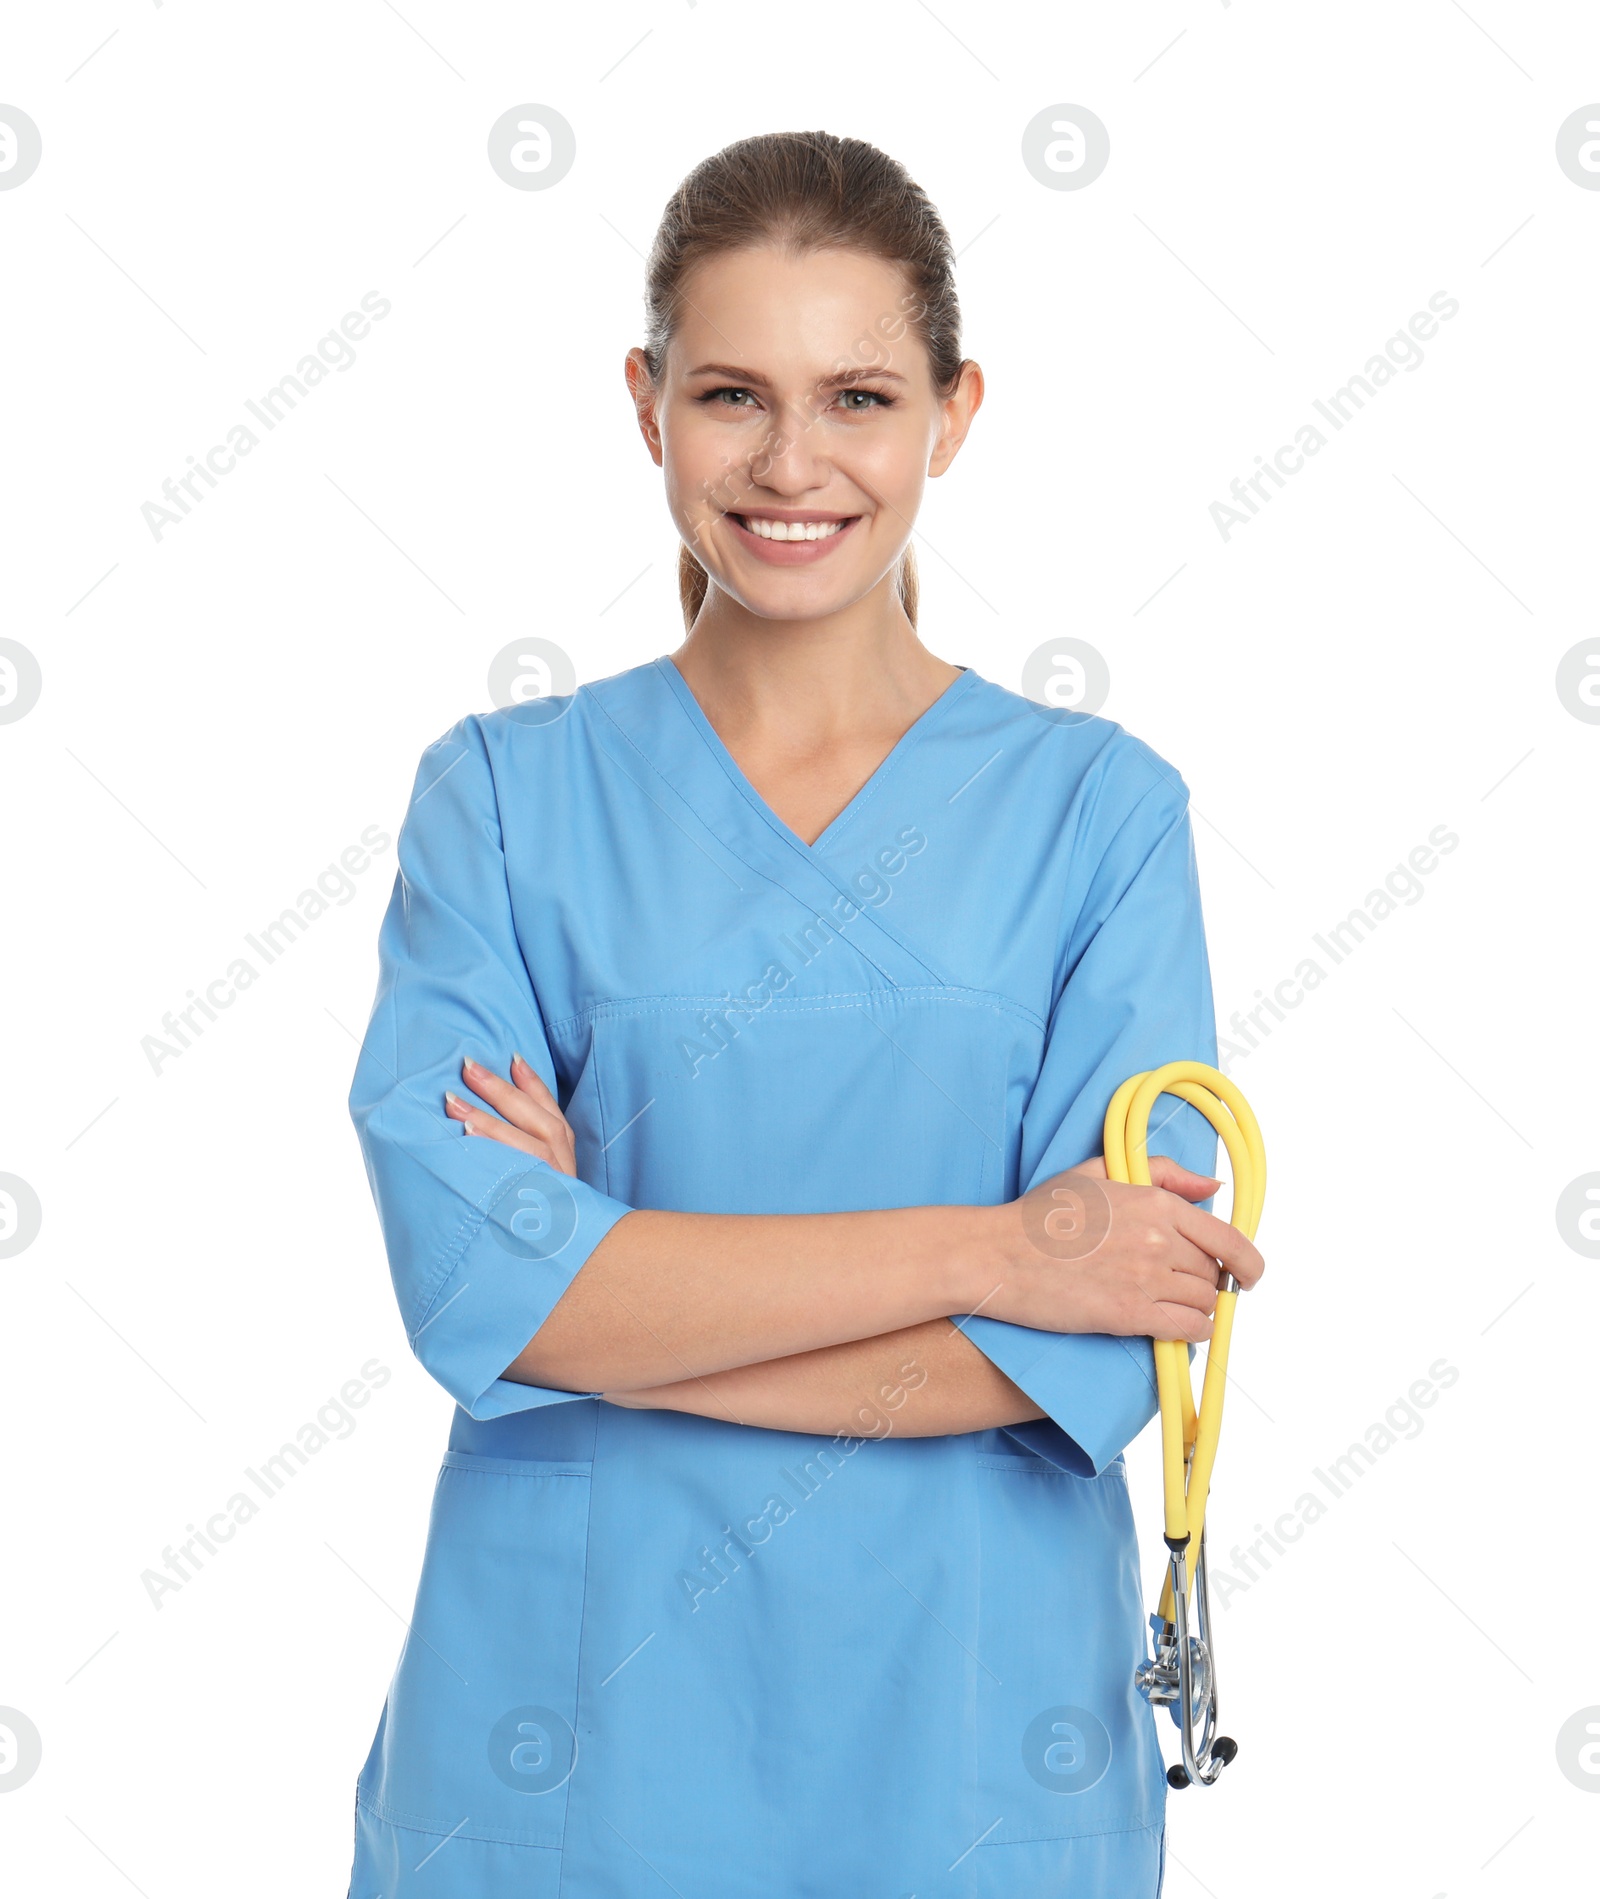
{"x":841,"y":1322}
{"x":925,"y":1380}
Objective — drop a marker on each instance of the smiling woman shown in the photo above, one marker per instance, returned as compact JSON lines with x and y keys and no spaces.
{"x":680,"y":1302}
{"x":860,"y":369}
{"x":795,"y":473}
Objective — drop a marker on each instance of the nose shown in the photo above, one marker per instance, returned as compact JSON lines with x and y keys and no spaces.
{"x":792,"y":460}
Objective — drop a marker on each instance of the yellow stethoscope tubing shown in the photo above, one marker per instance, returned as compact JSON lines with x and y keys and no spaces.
{"x":1189,"y":1437}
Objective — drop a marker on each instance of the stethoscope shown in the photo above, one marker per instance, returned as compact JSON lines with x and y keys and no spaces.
{"x":1182,"y":1674}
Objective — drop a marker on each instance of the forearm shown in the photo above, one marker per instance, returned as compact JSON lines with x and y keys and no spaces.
{"x":925,"y":1380}
{"x":672,"y":1296}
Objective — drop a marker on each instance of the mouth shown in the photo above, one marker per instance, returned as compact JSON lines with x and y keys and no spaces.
{"x":791,"y":541}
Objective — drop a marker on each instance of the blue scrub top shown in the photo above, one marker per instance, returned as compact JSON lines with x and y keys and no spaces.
{"x":657,"y":1653}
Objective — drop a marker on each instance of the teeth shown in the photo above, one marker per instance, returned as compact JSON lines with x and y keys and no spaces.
{"x":792,"y":530}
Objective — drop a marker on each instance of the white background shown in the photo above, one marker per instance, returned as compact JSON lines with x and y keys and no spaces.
{"x":226,"y":709}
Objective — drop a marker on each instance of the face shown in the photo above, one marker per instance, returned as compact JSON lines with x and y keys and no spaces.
{"x":796,"y":423}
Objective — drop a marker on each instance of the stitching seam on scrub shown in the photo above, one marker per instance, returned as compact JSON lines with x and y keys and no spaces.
{"x":739,"y":857}
{"x":426,"y":1293}
{"x":1127,"y":818}
{"x":577,"y":1670}
{"x":1042,"y":1467}
{"x":598,"y":1066}
{"x":1143,"y":1824}
{"x":711,"y":739}
{"x":898,"y":754}
{"x":649,"y":765}
{"x":814,"y":864}
{"x":474,"y":1464}
{"x":450,"y":1258}
{"x":434,"y":1829}
{"x":626,"y":1006}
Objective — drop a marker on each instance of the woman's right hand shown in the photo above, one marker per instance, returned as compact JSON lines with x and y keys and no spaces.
{"x":1081,"y":1253}
{"x":527,"y":1116}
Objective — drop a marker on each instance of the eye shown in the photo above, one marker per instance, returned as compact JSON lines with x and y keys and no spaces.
{"x":871,"y":395}
{"x":725,"y":389}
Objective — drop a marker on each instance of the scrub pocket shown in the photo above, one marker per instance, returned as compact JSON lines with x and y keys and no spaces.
{"x":477,"y":1735}
{"x":1067,"y":1746}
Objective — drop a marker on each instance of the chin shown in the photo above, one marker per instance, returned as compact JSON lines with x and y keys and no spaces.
{"x":787,"y":604}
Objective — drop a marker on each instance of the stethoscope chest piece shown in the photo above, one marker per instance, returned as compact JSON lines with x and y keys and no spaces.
{"x":1180,"y":1677}
{"x":1158,"y":1680}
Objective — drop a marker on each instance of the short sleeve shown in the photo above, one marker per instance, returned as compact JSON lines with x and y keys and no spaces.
{"x":1137,"y":993}
{"x":482,"y":1239}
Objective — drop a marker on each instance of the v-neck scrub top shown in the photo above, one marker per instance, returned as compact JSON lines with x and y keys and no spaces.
{"x":655,"y":1653}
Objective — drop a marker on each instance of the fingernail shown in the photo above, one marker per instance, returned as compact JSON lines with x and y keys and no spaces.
{"x":515,"y":1058}
{"x":455,"y":1101}
{"x":471,"y":1067}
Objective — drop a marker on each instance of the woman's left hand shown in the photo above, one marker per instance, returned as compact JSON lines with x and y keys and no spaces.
{"x":526,"y":1117}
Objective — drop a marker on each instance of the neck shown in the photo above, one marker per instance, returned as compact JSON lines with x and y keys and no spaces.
{"x":859,"y":670}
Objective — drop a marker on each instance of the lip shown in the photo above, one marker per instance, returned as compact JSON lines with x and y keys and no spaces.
{"x":791,"y":553}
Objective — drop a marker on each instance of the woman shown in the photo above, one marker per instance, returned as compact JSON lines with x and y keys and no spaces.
{"x":778,"y":989}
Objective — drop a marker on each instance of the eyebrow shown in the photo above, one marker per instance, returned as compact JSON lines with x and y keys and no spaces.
{"x":755,"y":378}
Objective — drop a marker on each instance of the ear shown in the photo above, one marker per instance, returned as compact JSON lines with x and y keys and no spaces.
{"x":643,"y":391}
{"x":955,"y":416}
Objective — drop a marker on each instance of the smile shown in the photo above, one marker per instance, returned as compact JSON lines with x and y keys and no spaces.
{"x":794,"y":542}
{"x":791,"y":530}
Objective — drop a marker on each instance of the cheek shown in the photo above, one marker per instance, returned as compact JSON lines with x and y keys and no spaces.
{"x":710,"y":464}
{"x":699,"y":487}
{"x":892,"y":465}
{"x":690,"y":458}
